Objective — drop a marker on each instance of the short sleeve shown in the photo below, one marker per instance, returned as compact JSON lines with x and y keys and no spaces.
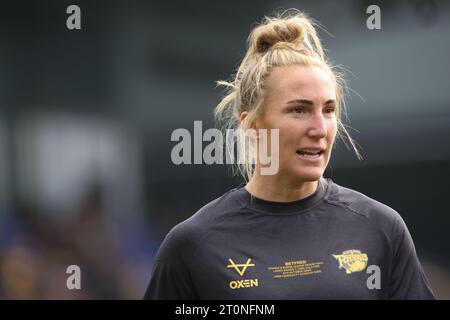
{"x":170,"y":277}
{"x":408,"y":280}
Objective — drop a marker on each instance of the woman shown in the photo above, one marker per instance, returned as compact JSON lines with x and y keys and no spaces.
{"x":292,"y":234}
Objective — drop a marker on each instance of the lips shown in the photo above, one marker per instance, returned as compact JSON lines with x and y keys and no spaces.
{"x":310,"y":156}
{"x":310,"y":151}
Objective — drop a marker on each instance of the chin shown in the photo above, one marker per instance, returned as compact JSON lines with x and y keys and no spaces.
{"x":311,"y":174}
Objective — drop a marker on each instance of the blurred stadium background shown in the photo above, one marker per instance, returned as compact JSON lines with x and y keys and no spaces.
{"x":86,"y":117}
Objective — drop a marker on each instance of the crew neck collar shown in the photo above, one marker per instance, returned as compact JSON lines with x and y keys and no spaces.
{"x":292,"y":207}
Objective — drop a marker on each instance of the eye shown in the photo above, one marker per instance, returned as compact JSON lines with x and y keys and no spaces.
{"x":298,"y":110}
{"x":330,"y":110}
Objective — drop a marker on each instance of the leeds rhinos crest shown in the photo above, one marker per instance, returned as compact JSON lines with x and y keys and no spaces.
{"x":352,"y":260}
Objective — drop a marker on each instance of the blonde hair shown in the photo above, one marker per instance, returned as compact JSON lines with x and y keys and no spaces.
{"x":289,"y":38}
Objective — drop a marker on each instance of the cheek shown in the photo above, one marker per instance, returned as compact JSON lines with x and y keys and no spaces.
{"x":332,"y":130}
{"x":287,"y":131}
{"x":290,"y":135}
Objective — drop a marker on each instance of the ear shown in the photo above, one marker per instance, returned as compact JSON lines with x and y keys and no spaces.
{"x":250,"y":130}
{"x":243,"y":116}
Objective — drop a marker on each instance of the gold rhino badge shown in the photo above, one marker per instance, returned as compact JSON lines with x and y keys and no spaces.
{"x":352,"y":260}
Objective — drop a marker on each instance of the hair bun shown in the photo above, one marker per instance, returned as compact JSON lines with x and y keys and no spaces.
{"x":281,"y":34}
{"x":291,"y":29}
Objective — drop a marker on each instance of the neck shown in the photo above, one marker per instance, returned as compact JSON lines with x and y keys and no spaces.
{"x":278,"y":189}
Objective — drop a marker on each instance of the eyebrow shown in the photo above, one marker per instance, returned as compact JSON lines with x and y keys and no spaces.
{"x":309,"y":102}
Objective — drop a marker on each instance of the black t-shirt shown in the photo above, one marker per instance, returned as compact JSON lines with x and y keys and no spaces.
{"x":335,"y":244}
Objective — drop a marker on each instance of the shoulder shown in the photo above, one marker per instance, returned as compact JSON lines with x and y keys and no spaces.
{"x":189,"y":232}
{"x":379,"y":214}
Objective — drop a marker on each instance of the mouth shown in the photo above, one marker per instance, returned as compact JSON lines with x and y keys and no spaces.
{"x":310,"y":154}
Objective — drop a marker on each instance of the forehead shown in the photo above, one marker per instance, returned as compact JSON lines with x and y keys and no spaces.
{"x":307,"y":82}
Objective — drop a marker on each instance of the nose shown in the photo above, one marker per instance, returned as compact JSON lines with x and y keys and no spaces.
{"x":318,"y":126}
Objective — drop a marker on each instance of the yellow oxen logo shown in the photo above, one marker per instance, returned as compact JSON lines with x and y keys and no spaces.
{"x":244,"y":283}
{"x":243,"y":265}
{"x":352,"y":260}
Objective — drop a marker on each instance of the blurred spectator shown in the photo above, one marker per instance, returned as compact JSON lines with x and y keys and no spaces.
{"x":35,"y":254}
